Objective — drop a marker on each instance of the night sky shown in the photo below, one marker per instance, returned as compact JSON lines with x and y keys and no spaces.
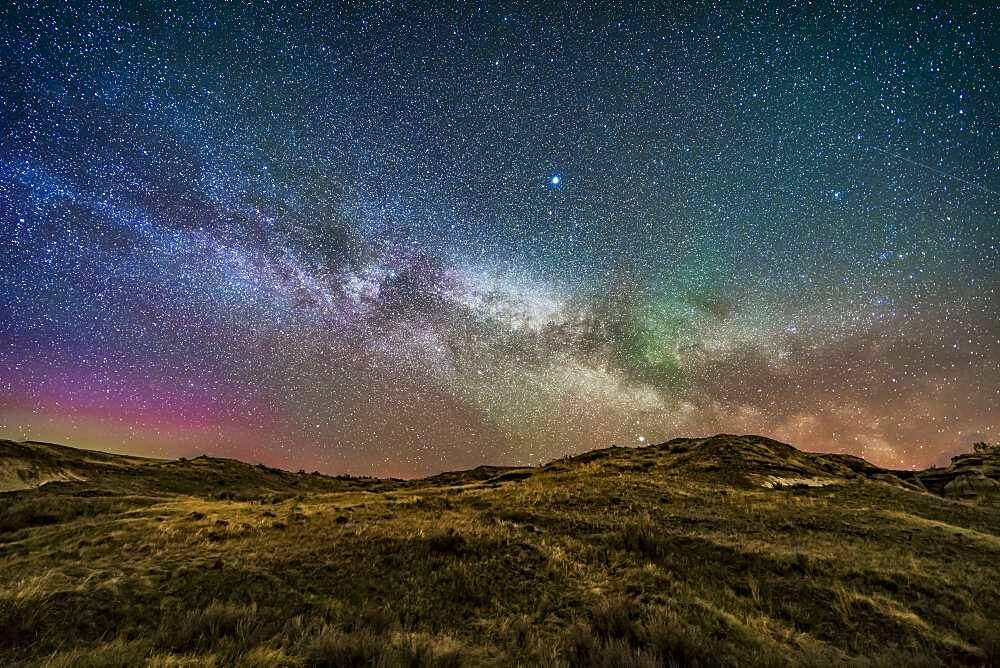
{"x":393,"y":241}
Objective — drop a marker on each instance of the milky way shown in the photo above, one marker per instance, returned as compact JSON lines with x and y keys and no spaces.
{"x":394,"y":241}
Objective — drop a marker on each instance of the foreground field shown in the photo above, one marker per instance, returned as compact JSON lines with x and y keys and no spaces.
{"x":722,"y":551}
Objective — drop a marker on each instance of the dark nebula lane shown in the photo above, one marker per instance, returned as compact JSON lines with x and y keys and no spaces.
{"x":393,"y":241}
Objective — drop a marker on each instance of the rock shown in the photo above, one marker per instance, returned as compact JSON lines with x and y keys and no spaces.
{"x":972,"y":485}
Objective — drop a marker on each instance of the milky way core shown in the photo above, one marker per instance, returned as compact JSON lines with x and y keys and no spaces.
{"x":394,"y":241}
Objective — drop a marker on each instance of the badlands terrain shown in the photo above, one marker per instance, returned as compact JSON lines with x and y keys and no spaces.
{"x":721,"y":551}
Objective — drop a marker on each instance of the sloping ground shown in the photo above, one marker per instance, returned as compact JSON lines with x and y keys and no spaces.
{"x":676,"y":554}
{"x":758,"y":459}
{"x":15,"y":478}
{"x":478,"y":474}
{"x":31,"y":464}
{"x":740,"y":460}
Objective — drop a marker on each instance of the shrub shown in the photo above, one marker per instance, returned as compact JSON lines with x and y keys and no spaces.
{"x":580,"y":647}
{"x":367,"y":617}
{"x":423,"y":651}
{"x":621,"y":633}
{"x":446,"y":542}
{"x":983,"y":448}
{"x":21,"y":614}
{"x":115,"y":654}
{"x":264,"y":657}
{"x":336,"y":648}
{"x":332,"y":647}
{"x":642,"y":538}
{"x":676,"y":645}
{"x":990,"y":647}
{"x":201,"y":628}
{"x":615,"y":618}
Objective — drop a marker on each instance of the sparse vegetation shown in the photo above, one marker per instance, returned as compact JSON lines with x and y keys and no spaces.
{"x":670,"y":555}
{"x":984,"y":448}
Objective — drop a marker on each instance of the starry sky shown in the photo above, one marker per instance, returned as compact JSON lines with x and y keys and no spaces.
{"x":394,"y":240}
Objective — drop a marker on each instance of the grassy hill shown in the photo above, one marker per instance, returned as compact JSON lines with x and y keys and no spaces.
{"x":730,"y":550}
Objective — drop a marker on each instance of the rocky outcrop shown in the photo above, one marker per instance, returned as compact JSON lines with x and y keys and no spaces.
{"x":970,"y":477}
{"x":972,"y":485}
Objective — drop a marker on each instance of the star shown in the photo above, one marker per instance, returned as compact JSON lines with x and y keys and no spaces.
{"x":308,"y":246}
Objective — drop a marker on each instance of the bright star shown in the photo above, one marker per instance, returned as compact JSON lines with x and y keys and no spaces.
{"x":555,"y":180}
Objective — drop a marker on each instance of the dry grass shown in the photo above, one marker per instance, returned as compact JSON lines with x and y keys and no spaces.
{"x":605,"y":563}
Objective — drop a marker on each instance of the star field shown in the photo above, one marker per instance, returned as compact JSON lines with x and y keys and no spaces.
{"x":392,"y":241}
